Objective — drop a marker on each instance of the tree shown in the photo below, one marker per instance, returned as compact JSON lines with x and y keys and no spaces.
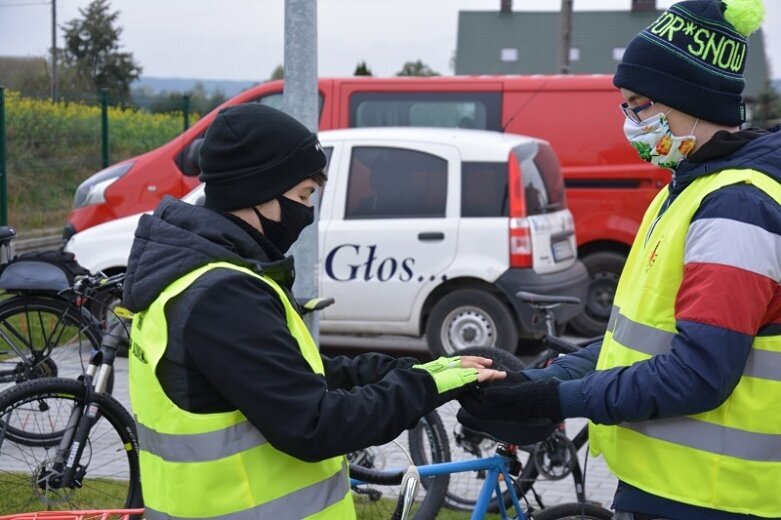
{"x":201,"y":102}
{"x":767,"y":109}
{"x":279,"y":73}
{"x":362,"y":70}
{"x":416,"y":68}
{"x":92,"y":50}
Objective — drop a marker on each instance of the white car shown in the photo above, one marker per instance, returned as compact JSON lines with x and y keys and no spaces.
{"x":425,"y":231}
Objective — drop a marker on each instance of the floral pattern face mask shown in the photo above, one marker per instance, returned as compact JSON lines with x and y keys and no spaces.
{"x":656,"y":144}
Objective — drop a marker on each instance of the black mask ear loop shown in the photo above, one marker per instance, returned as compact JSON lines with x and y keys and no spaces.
{"x":260,"y":217}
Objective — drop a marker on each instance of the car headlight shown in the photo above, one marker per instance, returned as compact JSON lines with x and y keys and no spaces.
{"x":93,"y":190}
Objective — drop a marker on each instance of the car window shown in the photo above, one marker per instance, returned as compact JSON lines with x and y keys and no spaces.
{"x":543,"y":185}
{"x":389,"y":182}
{"x":480,"y":110}
{"x":484,"y":189}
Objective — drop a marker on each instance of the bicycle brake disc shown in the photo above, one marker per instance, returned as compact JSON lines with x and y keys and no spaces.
{"x":555,"y":456}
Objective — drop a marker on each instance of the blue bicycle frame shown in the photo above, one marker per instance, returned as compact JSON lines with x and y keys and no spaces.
{"x":495,"y":466}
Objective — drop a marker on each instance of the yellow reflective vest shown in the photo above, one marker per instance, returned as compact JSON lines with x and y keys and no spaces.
{"x":728,"y":458}
{"x":218,"y":465}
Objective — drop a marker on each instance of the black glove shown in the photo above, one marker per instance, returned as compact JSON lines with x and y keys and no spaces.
{"x":515,"y":398}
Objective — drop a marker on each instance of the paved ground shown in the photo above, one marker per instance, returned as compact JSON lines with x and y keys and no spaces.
{"x":599,"y":483}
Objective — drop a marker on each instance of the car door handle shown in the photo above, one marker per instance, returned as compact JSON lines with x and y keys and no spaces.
{"x":431,"y":236}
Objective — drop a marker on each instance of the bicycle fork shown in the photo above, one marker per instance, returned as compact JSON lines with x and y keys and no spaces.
{"x":66,"y":471}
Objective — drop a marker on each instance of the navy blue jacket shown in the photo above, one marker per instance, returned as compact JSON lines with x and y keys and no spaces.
{"x":707,"y":358}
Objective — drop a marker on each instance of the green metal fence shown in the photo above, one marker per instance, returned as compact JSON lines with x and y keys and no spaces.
{"x":47,"y":149}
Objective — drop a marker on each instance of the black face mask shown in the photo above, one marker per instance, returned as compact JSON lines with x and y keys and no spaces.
{"x":294,"y":218}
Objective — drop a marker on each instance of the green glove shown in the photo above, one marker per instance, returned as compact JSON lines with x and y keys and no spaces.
{"x":454,"y":378}
{"x":440,"y":364}
{"x":448,"y":374}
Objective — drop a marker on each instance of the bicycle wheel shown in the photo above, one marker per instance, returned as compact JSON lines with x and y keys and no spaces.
{"x":376,"y":497}
{"x":469,"y":444}
{"x":574,"y":511}
{"x":108,"y":471}
{"x":43,"y":337}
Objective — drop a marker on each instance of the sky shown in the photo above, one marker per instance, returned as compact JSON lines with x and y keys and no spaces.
{"x":244,"y":39}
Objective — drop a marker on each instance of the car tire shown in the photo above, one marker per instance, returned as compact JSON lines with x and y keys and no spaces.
{"x":604,"y":269}
{"x":470,"y":318}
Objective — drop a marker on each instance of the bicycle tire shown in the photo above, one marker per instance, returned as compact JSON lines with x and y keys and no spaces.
{"x":111,"y":477}
{"x":61,"y":318}
{"x":503,"y":360}
{"x":19,"y":314}
{"x":574,"y":511}
{"x":429,"y":429}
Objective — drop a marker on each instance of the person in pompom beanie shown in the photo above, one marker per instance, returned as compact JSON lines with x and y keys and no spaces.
{"x":684,"y":390}
{"x":238,"y":413}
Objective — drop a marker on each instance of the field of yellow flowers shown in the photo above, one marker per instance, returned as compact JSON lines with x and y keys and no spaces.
{"x":52,"y":147}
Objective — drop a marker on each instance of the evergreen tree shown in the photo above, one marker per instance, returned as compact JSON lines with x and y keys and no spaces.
{"x":362,"y":70}
{"x":279,"y":73}
{"x":416,"y":68}
{"x":93,"y":56}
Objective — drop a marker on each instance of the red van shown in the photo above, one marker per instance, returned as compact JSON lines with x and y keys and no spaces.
{"x":608,"y":187}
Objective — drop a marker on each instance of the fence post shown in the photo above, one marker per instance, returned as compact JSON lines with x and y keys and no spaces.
{"x":186,"y":111}
{"x":104,"y":126}
{"x":3,"y":163}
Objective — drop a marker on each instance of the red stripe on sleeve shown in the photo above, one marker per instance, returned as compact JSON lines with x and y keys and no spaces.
{"x":724,"y":296}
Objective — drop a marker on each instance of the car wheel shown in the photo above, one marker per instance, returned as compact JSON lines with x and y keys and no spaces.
{"x":604,"y":269}
{"x":470,"y":318}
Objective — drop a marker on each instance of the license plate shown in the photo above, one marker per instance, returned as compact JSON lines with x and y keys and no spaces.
{"x":562,"y":250}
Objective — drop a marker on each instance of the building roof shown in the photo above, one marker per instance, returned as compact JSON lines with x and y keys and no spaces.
{"x":489,"y":40}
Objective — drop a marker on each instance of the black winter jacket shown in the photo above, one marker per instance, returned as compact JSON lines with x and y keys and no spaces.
{"x":229,"y":346}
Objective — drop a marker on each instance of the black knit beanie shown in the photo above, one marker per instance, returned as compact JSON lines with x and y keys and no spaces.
{"x":692,"y":58}
{"x":253,"y":153}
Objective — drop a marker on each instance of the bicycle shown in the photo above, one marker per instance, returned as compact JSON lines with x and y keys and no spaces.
{"x":503,"y":466}
{"x":554,"y":458}
{"x":46,"y":324}
{"x":79,"y":448}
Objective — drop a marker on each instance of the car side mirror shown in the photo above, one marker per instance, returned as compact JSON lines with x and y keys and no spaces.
{"x":188,"y":160}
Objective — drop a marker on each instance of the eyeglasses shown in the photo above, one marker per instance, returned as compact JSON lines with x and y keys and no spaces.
{"x":633,"y":113}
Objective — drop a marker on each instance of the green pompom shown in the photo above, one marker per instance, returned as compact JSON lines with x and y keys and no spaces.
{"x":745,"y":15}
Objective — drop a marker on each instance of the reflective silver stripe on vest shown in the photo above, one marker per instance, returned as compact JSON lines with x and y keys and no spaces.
{"x":763,"y":364}
{"x":200,"y":447}
{"x":611,"y":321}
{"x":298,"y":504}
{"x":639,"y":337}
{"x":721,"y":440}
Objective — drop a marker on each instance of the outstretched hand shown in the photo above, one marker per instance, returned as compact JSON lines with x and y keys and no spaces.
{"x":514,"y":398}
{"x":485,"y":374}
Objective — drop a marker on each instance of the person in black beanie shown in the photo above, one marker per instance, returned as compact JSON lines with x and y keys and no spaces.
{"x":683,"y":391}
{"x":237,"y":411}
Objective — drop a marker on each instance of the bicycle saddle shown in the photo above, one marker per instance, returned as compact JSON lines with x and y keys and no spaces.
{"x":511,"y":432}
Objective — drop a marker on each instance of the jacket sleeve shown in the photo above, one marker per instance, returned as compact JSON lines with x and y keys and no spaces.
{"x":238,"y":338}
{"x":345,"y":372}
{"x":727,"y":294}
{"x":571,"y":366}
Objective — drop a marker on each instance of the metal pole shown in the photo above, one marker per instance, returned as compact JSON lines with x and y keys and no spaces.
{"x":566,"y":36}
{"x":301,"y":101}
{"x":54,"y":50}
{"x":104,"y":126}
{"x":186,"y":110}
{"x":3,"y":164}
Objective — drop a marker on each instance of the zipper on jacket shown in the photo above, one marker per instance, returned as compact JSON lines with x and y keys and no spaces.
{"x":658,"y":217}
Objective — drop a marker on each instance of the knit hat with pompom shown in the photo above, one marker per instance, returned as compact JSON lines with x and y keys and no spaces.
{"x":692,"y":58}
